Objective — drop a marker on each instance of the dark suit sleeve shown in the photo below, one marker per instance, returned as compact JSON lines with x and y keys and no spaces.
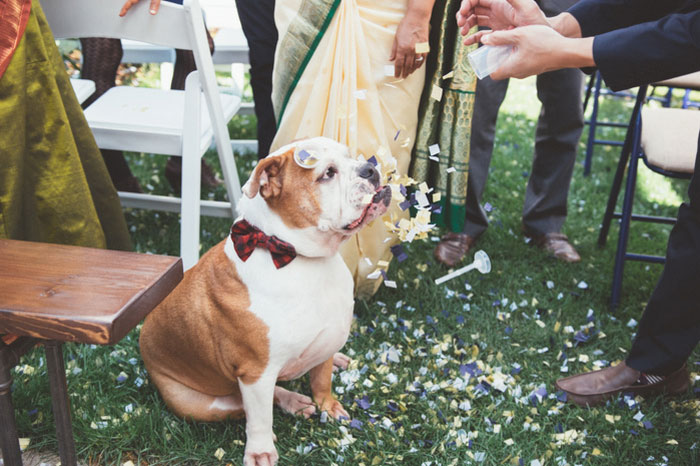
{"x":638,"y":42}
{"x":599,"y":16}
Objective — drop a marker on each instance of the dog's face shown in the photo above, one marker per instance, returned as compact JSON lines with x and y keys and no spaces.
{"x":314,"y":186}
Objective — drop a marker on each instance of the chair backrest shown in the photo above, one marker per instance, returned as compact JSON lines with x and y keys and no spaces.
{"x":177,"y":26}
{"x":73,"y":19}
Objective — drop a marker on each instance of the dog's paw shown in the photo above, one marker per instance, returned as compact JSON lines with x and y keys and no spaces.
{"x":294,"y":403}
{"x":334,"y":409}
{"x":340,"y":361}
{"x":256,"y":455}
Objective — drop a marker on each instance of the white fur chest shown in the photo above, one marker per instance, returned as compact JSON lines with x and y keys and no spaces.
{"x":307,"y":306}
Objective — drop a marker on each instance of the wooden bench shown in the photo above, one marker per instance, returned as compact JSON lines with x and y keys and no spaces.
{"x":54,"y":294}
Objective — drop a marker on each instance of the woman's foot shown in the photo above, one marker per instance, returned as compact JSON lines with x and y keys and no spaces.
{"x":453,"y":247}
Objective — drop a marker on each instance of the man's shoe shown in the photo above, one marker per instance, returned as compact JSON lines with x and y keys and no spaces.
{"x":453,"y":247}
{"x":173,"y":173}
{"x":558,"y":245}
{"x":594,"y":388}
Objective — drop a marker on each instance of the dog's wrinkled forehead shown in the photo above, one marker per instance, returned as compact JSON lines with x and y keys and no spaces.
{"x":310,"y":153}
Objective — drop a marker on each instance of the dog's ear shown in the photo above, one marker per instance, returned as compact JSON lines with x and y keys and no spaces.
{"x":267,"y":176}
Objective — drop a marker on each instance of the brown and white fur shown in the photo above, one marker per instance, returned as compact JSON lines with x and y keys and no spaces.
{"x":218,"y":344}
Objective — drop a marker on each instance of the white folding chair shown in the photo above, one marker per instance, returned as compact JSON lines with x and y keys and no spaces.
{"x":83,"y":88}
{"x":168,"y":122}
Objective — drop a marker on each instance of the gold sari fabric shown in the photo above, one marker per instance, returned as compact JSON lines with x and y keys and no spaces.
{"x":330,"y":80}
{"x":54,"y":186}
{"x":446,"y":122}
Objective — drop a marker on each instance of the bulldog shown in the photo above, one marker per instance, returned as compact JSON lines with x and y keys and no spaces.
{"x":272,"y":301}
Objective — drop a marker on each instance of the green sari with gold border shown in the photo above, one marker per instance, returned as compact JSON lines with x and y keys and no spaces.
{"x":446,"y":122}
{"x":54,"y":186}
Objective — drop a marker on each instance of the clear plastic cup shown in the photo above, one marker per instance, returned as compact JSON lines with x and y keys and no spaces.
{"x":488,"y":58}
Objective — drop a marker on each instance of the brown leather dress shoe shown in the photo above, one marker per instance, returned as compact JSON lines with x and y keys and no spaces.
{"x":558,"y":245}
{"x":594,"y":388}
{"x":453,"y":247}
{"x":173,"y":173}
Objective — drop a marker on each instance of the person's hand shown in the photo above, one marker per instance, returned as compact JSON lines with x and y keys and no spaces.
{"x":413,"y":29}
{"x":155,"y":4}
{"x":538,"y":49}
{"x":498,"y":15}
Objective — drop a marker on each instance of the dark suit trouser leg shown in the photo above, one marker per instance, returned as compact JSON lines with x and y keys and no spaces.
{"x":258,"y":22}
{"x":556,"y":142}
{"x":488,"y":98}
{"x":670,"y":327}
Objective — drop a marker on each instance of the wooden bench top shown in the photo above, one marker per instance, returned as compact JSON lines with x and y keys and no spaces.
{"x":70,"y":293}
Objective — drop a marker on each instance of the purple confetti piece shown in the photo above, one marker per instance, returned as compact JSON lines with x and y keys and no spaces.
{"x":648,"y":425}
{"x":363,"y":403}
{"x":634,"y":432}
{"x":445,"y":313}
{"x":481,"y":387}
{"x":521,"y":291}
{"x":436,"y":209}
{"x":521,"y":462}
{"x":516,"y":370}
{"x":405,"y":204}
{"x":488,"y":207}
{"x":393,"y":407}
{"x":509,"y":330}
{"x":460,"y":319}
{"x":303,"y":155}
{"x":373,"y":161}
{"x":561,"y":396}
{"x":356,"y":424}
{"x":32,"y":412}
{"x":581,"y":337}
{"x":430,"y":320}
{"x":402,"y":190}
{"x":384,"y":275}
{"x":397,"y":135}
{"x":121,"y":378}
{"x":399,"y":253}
{"x":496,"y":303}
{"x":558,"y":428}
{"x":542,"y":392}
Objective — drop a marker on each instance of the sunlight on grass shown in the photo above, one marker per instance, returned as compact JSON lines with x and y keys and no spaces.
{"x":657,"y":188}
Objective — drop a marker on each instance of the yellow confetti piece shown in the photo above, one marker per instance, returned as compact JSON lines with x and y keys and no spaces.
{"x":449,"y":75}
{"x":382,"y":264}
{"x":509,"y":441}
{"x":422,"y":47}
{"x":596,"y":452}
{"x":24,"y":443}
{"x":497,"y":429}
{"x":557,"y":326}
{"x":610,"y":418}
{"x":423,"y":187}
{"x":583,"y":358}
{"x":219,"y":453}
{"x":128,"y":463}
{"x":436,"y":93}
{"x":540,"y":323}
{"x":672,"y":442}
{"x":437,"y":197}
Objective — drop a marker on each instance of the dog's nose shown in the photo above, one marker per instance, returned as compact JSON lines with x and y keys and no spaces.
{"x":368,"y":172}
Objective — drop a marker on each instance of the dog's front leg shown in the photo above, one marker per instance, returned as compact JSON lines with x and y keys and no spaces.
{"x":257,"y":402}
{"x":321,"y":390}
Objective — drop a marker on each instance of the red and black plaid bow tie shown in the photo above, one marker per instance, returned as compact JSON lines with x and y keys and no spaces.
{"x":246,"y":238}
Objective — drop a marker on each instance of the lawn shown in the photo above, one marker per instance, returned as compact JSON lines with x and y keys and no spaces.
{"x":456,"y":374}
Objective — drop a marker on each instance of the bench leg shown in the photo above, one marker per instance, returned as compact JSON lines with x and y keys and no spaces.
{"x":9,"y":442}
{"x":60,"y":403}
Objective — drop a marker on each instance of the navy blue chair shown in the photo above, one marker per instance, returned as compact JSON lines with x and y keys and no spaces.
{"x":665,"y":139}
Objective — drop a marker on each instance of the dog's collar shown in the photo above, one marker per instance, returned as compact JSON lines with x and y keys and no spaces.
{"x":246,"y":238}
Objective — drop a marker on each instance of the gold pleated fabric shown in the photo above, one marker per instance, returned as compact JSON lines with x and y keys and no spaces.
{"x":330,"y":81}
{"x":54,"y":186}
{"x":446,"y":122}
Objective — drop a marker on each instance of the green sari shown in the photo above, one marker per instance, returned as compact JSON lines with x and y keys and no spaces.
{"x":446,"y":122}
{"x":54,"y":186}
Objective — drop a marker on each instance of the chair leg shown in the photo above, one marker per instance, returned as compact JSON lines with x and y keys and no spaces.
{"x":9,"y":442}
{"x":60,"y":402}
{"x":621,"y":165}
{"x":191,"y":174}
{"x":588,"y":161}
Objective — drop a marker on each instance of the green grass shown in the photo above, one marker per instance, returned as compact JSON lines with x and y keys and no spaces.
{"x":515,"y":321}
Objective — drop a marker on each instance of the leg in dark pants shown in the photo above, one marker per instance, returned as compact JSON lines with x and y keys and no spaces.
{"x":258,"y":22}
{"x":556,"y":143}
{"x":488,"y":99}
{"x":670,"y":327}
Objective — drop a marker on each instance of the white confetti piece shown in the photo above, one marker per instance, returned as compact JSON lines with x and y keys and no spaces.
{"x":632,"y":323}
{"x":434,"y":149}
{"x":390,"y":283}
{"x":583,"y":285}
{"x":389,"y":70}
{"x":422,"y":47}
{"x":550,"y":284}
{"x":436,"y":93}
{"x":361,"y":94}
{"x":451,"y":170}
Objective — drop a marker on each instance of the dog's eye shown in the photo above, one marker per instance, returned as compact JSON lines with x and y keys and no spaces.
{"x":329,"y":174}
